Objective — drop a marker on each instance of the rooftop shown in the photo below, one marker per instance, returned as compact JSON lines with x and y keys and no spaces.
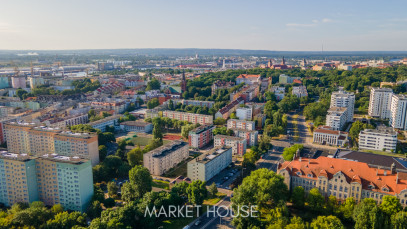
{"x":107,"y":119}
{"x":229,"y":137}
{"x":212,"y":154}
{"x":164,"y":150}
{"x":135,"y":123}
{"x":353,"y":171}
{"x":200,"y":129}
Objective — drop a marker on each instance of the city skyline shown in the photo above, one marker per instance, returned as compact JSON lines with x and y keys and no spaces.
{"x":262,"y":25}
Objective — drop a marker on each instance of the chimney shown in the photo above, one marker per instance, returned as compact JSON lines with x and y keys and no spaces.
{"x":397,"y":178}
{"x":300,"y":159}
{"x":393,"y":168}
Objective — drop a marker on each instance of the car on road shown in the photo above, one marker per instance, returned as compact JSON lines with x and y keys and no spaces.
{"x":197,"y":222}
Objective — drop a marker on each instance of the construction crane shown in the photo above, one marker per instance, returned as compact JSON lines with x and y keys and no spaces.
{"x":16,"y":69}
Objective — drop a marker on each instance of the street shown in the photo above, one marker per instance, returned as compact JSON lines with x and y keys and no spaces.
{"x":212,"y":220}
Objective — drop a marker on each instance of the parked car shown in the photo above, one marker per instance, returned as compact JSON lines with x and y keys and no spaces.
{"x":197,"y":222}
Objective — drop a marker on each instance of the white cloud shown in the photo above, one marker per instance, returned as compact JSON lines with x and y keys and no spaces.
{"x":326,"y":20}
{"x":6,"y":28}
{"x":315,"y":21}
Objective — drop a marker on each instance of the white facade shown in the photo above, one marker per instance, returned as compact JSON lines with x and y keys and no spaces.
{"x":326,"y":135}
{"x":162,"y":159}
{"x":251,"y":136}
{"x":380,"y":139}
{"x":398,"y":118}
{"x":342,"y":98}
{"x":279,"y":92}
{"x":238,"y":144}
{"x":137,"y":126}
{"x":103,"y":123}
{"x":244,"y":113}
{"x":208,"y":165}
{"x":380,"y":102}
{"x":189,"y":117}
{"x":336,"y":117}
{"x":241,"y":124}
{"x":300,"y":91}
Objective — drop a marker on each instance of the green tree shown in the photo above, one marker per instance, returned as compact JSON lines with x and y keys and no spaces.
{"x":197,"y":192}
{"x":399,"y":220}
{"x":112,"y":189}
{"x":102,"y":152}
{"x":367,"y":214}
{"x":135,"y":157}
{"x":315,"y":200}
{"x":298,"y":197}
{"x":95,"y":209}
{"x":65,"y":220}
{"x":332,"y":205}
{"x":326,"y":222}
{"x":153,"y":84}
{"x":219,"y":121}
{"x":288,"y":153}
{"x":390,"y":205}
{"x":153,"y":103}
{"x":213,"y":190}
{"x":263,"y":188}
{"x":128,"y":192}
{"x":57,"y":208}
{"x":296,"y":223}
{"x":21,"y":93}
{"x":347,"y":207}
{"x":185,"y":130}
{"x":141,"y":180}
{"x":180,"y":189}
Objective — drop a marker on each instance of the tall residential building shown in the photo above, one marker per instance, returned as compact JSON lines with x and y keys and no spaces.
{"x":251,"y":136}
{"x":18,"y":82}
{"x":65,"y":180}
{"x":398,"y":118}
{"x":342,"y":98}
{"x":337,"y":117}
{"x":241,"y":124}
{"x":200,"y":136}
{"x":344,"y":178}
{"x":4,"y":82}
{"x":189,"y":117}
{"x":18,"y":183}
{"x":36,"y":81}
{"x":164,"y":158}
{"x":3,"y":121}
{"x":52,"y":179}
{"x":26,"y":138}
{"x":209,"y":164}
{"x":380,"y":102}
{"x":238,"y":144}
{"x":382,"y":138}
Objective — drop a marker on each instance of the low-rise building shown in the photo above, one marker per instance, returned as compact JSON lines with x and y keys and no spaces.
{"x":189,"y":117}
{"x":251,"y":136}
{"x":221,"y":85}
{"x":336,"y":117}
{"x":300,"y":91}
{"x":227,"y":110}
{"x":238,"y":144}
{"x":67,"y":121}
{"x":117,"y":107}
{"x":344,"y":178}
{"x":382,"y":138}
{"x":160,"y":160}
{"x":210,"y":164}
{"x":327,"y":135}
{"x":200,"y":136}
{"x":108,"y":121}
{"x":240,"y":124}
{"x":248,"y":79}
{"x":279,"y":92}
{"x":137,"y":126}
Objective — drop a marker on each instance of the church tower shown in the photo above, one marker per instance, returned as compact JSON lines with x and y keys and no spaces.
{"x":283,"y":61}
{"x":183,"y":82}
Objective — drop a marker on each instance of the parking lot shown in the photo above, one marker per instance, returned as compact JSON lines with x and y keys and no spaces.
{"x":225,"y":177}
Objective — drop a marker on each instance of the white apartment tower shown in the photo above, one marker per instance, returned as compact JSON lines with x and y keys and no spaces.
{"x":380,"y":102}
{"x":398,"y":117}
{"x":346,"y":99}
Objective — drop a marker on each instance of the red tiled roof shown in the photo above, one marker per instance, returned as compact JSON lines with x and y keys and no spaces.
{"x":248,"y":76}
{"x":354,"y":172}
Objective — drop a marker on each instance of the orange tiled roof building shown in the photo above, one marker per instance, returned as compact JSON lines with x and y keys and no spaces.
{"x":344,"y":178}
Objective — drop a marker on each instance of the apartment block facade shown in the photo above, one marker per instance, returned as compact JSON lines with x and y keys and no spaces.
{"x":398,"y":117}
{"x":337,"y":117}
{"x":382,"y":138}
{"x":238,"y":144}
{"x":380,"y":102}
{"x":346,"y":99}
{"x":108,"y":121}
{"x":26,"y":138}
{"x":189,"y":117}
{"x":327,"y":135}
{"x":52,"y":179}
{"x":210,"y":164}
{"x":251,"y":136}
{"x":162,"y":159}
{"x":200,"y":136}
{"x":241,"y":124}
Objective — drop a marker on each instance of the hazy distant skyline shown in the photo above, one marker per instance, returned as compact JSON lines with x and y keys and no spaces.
{"x":226,"y":24}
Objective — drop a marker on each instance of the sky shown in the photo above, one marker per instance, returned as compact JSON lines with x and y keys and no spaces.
{"x":285,"y":25}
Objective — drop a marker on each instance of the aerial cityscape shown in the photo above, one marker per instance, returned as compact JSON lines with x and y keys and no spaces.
{"x":203,"y":114}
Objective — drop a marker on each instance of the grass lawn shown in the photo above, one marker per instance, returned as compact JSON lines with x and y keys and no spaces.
{"x":161,"y":184}
{"x":215,"y":200}
{"x":180,"y":170}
